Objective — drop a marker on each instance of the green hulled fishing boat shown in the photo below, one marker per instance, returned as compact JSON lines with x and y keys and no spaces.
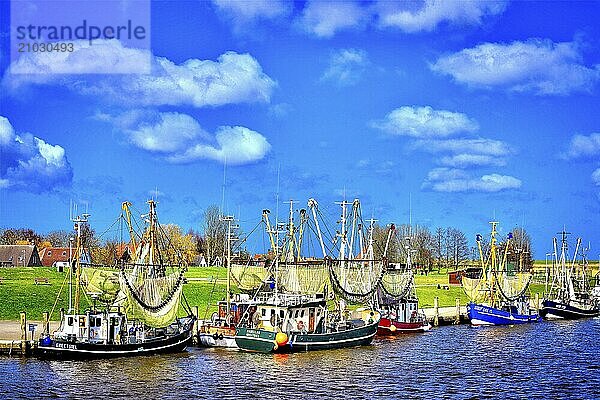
{"x":293,"y":315}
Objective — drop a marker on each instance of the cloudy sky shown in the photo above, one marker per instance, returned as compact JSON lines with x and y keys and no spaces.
{"x":473,"y":110}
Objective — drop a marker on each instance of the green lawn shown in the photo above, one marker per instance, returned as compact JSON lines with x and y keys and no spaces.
{"x":204,"y":288}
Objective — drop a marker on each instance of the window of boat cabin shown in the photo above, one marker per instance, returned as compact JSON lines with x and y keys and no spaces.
{"x":302,"y":314}
{"x":281,"y":314}
{"x":70,"y":321}
{"x":264,"y":312}
{"x":296,"y":313}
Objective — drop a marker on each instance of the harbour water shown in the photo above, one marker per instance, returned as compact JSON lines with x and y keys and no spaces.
{"x":546,"y":360}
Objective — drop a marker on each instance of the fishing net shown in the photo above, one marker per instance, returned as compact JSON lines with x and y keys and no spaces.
{"x":397,"y":283}
{"x":248,"y":278}
{"x":154,"y":300}
{"x":303,"y":278}
{"x":356,"y":280}
{"x":102,"y":282}
{"x":476,"y":289}
{"x":513,"y":286}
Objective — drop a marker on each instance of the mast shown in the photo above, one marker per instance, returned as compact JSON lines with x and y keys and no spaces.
{"x":78,"y":220}
{"x":126,"y":209}
{"x":312,"y":204}
{"x":493,"y":264}
{"x":229,"y":219}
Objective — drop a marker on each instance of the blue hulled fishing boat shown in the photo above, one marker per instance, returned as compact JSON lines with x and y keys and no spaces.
{"x":498,"y":291}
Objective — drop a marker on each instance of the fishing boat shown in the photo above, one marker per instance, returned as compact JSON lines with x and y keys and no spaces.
{"x":294,"y":317}
{"x":219,"y":330}
{"x":141,"y":301}
{"x":397,"y":297}
{"x":498,"y":291}
{"x":570,"y":296}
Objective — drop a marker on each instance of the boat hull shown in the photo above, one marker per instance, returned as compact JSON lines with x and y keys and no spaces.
{"x":389,"y":327}
{"x":217,"y":337}
{"x":59,"y":349}
{"x":485,"y":315}
{"x":263,"y":341}
{"x":558,"y":310}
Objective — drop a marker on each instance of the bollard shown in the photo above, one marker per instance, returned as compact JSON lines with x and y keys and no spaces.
{"x":23,"y":316}
{"x":46,"y":328}
{"x":436,"y":311}
{"x":457,"y":319}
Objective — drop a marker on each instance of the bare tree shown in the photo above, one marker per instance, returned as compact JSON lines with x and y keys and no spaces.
{"x":215,"y":231}
{"x":59,"y":238}
{"x":458,"y":247}
{"x":438,"y":246}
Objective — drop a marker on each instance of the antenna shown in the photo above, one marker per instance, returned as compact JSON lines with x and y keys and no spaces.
{"x":223,"y":187}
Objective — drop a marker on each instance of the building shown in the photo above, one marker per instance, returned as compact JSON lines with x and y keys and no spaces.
{"x":17,"y":255}
{"x":50,"y":256}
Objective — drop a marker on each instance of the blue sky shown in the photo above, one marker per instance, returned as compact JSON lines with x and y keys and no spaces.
{"x":471,"y":109}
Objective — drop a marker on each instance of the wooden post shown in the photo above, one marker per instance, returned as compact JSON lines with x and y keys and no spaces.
{"x":436,"y":311}
{"x":457,"y":319}
{"x":195,"y":312}
{"x":23,"y":316}
{"x":46,"y":328}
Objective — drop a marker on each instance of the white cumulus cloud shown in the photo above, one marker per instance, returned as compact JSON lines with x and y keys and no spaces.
{"x":473,"y":146}
{"x":426,"y":16}
{"x":346,"y":67}
{"x":179,"y":138}
{"x":232,"y":78}
{"x":539,"y":66}
{"x":582,"y":146}
{"x":250,"y":10}
{"x":324,"y":19}
{"x":425,"y":122}
{"x":30,"y":163}
{"x":455,"y":180}
{"x":234,"y":144}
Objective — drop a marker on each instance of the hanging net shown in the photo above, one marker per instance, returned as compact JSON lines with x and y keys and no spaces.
{"x":102,"y":281}
{"x":303,"y":278}
{"x":514,"y":285}
{"x":397,"y":283}
{"x":356,"y":280}
{"x":154,"y":301}
{"x":248,"y":278}
{"x":476,"y":289}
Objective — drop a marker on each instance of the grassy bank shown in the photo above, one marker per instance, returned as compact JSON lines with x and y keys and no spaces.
{"x":205,"y":286}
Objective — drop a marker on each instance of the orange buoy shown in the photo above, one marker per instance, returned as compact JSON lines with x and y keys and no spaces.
{"x":281,"y":339}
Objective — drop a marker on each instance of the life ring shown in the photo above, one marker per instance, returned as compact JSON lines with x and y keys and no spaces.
{"x":300,"y":325}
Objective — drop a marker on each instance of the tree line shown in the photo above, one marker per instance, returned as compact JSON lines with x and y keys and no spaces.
{"x":443,"y":248}
{"x":446,"y":248}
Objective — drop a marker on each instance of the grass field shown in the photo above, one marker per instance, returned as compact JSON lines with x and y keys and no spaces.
{"x":205,"y":286}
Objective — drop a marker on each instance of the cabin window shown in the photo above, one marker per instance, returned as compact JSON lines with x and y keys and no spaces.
{"x":302,"y":314}
{"x":296,"y":314}
{"x":70,"y":321}
{"x":92,"y":322}
{"x":281,"y":314}
{"x":82,"y":321}
{"x":264,"y":312}
{"x":98,"y":322}
{"x":272,"y":312}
